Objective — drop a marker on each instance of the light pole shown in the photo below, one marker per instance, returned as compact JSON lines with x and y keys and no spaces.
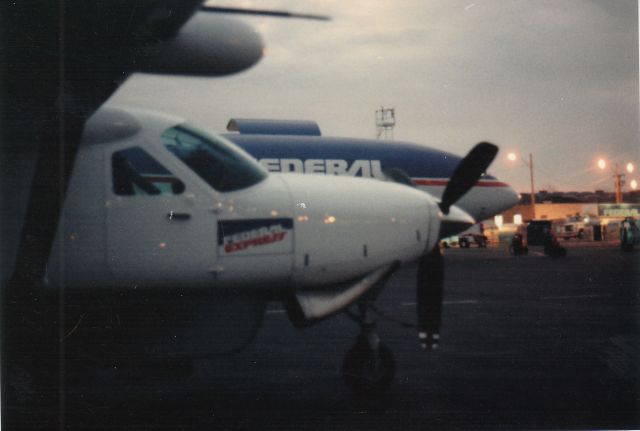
{"x":513,"y":157}
{"x":618,"y":175}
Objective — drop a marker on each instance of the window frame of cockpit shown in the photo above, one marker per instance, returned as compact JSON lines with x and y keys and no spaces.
{"x":127,"y":153}
{"x":255,"y":172}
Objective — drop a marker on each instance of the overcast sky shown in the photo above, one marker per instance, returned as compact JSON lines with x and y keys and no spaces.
{"x":556,"y":78}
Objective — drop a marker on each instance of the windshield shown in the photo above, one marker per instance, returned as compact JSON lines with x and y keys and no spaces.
{"x":218,"y":162}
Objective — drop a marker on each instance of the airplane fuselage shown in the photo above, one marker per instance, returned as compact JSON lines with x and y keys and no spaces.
{"x":141,"y":211}
{"x":157,"y":208}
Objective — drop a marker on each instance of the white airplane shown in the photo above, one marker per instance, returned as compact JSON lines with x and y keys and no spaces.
{"x":162,"y":215}
{"x":149,"y":252}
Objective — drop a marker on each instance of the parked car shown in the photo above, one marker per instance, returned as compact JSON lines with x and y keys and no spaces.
{"x":467,"y":239}
{"x":573,"y":230}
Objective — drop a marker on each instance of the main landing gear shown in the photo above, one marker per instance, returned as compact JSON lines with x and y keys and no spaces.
{"x":369,"y":366}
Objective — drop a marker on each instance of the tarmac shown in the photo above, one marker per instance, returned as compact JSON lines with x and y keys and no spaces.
{"x":528,"y":342}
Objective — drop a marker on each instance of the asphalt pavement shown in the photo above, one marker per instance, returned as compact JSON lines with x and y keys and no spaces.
{"x":528,"y":342}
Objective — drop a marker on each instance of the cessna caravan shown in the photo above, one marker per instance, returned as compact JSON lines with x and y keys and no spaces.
{"x":185,"y":237}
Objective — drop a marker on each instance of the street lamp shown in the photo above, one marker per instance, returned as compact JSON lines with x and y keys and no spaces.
{"x":512,"y":157}
{"x":619,"y":175}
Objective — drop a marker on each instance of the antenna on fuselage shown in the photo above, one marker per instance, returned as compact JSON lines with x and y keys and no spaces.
{"x":385,"y":122}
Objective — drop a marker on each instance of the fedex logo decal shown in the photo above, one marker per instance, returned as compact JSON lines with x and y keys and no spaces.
{"x":358,"y":168}
{"x":250,"y":236}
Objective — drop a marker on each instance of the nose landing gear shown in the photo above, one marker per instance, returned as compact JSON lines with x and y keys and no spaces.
{"x":369,"y":366}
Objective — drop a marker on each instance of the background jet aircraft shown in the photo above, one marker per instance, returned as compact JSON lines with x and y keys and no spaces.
{"x":297,"y":146}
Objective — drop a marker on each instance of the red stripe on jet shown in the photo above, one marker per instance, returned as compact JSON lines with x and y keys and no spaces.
{"x":429,"y":182}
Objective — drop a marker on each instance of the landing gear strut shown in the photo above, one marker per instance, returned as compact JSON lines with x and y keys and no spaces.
{"x":369,"y":366}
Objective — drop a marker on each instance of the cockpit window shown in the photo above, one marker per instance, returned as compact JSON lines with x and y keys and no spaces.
{"x":220,"y":164}
{"x":135,"y":172}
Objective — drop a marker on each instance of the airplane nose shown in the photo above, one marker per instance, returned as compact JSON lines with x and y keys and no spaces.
{"x":507,"y":197}
{"x":488,"y":198}
{"x":456,"y":221}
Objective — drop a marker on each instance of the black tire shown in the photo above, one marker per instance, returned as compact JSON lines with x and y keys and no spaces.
{"x":363,"y":373}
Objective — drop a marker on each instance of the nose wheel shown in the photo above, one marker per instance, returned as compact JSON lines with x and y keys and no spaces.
{"x":369,"y":366}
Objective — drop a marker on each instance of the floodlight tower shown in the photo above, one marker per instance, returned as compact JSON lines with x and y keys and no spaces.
{"x":618,"y":175}
{"x":385,"y":122}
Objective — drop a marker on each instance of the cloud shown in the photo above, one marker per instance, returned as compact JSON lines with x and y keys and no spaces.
{"x":558,"y":78}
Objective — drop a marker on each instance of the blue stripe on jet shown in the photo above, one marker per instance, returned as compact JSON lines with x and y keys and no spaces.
{"x":415,"y":160}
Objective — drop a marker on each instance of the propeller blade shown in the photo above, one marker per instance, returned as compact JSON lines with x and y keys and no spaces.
{"x":429,"y":287}
{"x":263,"y":12}
{"x":430,"y":278}
{"x":468,"y":173}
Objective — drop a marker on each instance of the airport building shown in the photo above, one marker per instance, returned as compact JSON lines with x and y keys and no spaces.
{"x":589,"y":216}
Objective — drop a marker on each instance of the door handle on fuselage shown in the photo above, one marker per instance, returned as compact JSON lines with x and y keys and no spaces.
{"x":171,"y":215}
